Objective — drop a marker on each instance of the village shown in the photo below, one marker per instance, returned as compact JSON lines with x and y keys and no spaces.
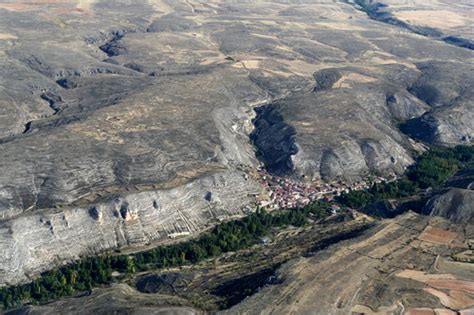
{"x":287,"y":193}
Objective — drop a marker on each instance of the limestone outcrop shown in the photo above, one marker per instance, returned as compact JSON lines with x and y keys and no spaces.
{"x":35,"y":241}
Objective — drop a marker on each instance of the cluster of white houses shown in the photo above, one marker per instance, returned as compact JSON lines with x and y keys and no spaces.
{"x":286,"y":193}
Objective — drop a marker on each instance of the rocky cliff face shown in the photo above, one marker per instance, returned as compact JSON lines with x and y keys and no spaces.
{"x":456,"y":201}
{"x":35,"y":241}
{"x":450,"y":96}
{"x":455,"y":204}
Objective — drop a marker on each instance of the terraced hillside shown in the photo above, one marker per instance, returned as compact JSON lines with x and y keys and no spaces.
{"x":401,"y":267}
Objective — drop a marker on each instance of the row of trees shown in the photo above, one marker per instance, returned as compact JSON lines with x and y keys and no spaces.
{"x":431,"y":169}
{"x":96,"y":271}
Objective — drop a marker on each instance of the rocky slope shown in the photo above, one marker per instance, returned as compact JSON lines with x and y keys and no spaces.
{"x":449,"y":121}
{"x":103,"y":102}
{"x":59,"y":235}
{"x":401,"y":267}
{"x":455,"y":204}
{"x":455,"y":201}
{"x":120,"y":299}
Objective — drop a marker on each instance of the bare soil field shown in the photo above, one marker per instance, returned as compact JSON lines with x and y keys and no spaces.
{"x":438,"y":236}
{"x":368,"y":278}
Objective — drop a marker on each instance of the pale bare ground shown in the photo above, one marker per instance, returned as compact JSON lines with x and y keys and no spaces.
{"x":209,"y":6}
{"x":429,"y":311}
{"x":161,"y":7}
{"x":110,"y":128}
{"x":290,"y":67}
{"x":265,"y":36}
{"x":384,"y":58}
{"x":15,"y":6}
{"x":444,"y":312}
{"x":302,"y":68}
{"x":459,"y":285}
{"x":85,"y":6}
{"x":344,"y":280}
{"x":333,"y":12}
{"x":248,"y":64}
{"x":36,"y":2}
{"x":423,"y":276}
{"x":420,"y":311}
{"x":336,"y":280}
{"x":388,"y":248}
{"x":362,"y":309}
{"x":82,"y":6}
{"x":451,"y":17}
{"x":433,"y":18}
{"x":213,"y":46}
{"x":467,"y":312}
{"x":457,"y":289}
{"x":25,"y":5}
{"x":453,"y":300}
{"x":274,"y":67}
{"x":438,"y":236}
{"x":390,"y":227}
{"x":5,"y":36}
{"x":346,"y":80}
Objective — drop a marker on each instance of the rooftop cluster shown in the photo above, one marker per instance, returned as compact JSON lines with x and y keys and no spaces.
{"x":287,"y":193}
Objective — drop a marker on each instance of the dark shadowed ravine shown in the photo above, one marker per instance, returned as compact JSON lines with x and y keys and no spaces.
{"x":274,"y":140}
{"x":378,"y":12}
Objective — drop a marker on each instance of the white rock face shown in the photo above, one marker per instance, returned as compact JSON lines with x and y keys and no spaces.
{"x":37,"y":241}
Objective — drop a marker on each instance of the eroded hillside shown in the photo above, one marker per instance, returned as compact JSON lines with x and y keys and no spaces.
{"x":124,"y":122}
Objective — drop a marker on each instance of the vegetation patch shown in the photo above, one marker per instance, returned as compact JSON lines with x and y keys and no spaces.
{"x":430,"y":171}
